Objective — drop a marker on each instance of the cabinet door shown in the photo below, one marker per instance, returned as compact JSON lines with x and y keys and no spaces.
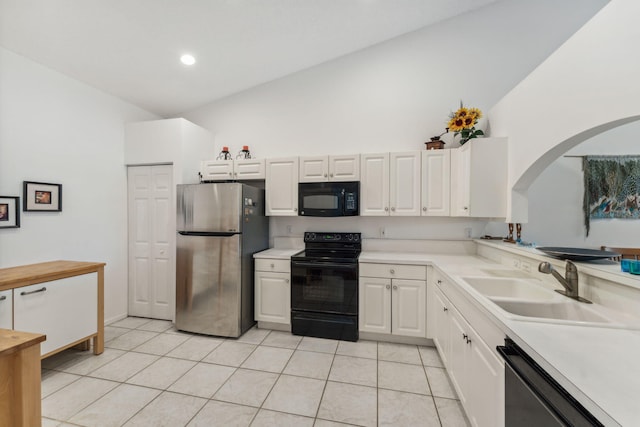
{"x":374,"y":305}
{"x":273,"y":297}
{"x":6,"y":309}
{"x":460,"y":181}
{"x":344,"y":168}
{"x":408,"y":307}
{"x":248,"y":169}
{"x":374,"y":184}
{"x":436,"y":170}
{"x":442,"y":327}
{"x":404,"y":183}
{"x":66,"y":310}
{"x":486,"y":408}
{"x":314,"y":169}
{"x":281,"y":187}
{"x":459,"y":330}
{"x":216,"y":170}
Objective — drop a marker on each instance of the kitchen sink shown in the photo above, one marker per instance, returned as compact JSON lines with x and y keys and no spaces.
{"x":566,"y":311}
{"x":512,"y":288}
{"x":505,"y":272}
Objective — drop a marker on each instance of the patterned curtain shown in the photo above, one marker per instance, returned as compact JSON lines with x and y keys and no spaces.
{"x":611,"y":187}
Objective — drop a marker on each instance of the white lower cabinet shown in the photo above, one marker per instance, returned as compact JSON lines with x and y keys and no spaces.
{"x":65,"y":310}
{"x":392,"y":299}
{"x":273,"y":291}
{"x":476,"y":371}
{"x":6,"y":309}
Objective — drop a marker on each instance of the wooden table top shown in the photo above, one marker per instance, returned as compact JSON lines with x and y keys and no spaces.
{"x":12,"y":341}
{"x":14,"y":277}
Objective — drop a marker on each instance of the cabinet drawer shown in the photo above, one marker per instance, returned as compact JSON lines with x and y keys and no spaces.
{"x":279,"y":265}
{"x":394,"y":271}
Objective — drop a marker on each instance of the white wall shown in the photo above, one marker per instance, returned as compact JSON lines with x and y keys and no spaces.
{"x":555,"y":198}
{"x":587,"y":86}
{"x":55,"y":129}
{"x":394,"y":96}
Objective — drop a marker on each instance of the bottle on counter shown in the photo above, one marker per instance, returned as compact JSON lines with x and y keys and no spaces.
{"x":244,"y":153}
{"x":224,"y":154}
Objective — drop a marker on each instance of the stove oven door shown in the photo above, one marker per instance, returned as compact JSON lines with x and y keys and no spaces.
{"x":324,"y":287}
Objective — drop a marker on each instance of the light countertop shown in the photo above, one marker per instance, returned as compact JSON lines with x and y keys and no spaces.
{"x":597,"y":365}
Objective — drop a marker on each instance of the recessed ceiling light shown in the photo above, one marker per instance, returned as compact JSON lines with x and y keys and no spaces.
{"x":187,"y":59}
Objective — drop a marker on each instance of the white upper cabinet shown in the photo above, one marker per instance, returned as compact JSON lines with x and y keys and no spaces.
{"x":241,"y":169}
{"x":479,"y":178}
{"x":281,"y":186}
{"x":404,"y":183}
{"x":390,"y":184}
{"x":329,"y":168}
{"x":436,"y":172}
{"x":374,"y":184}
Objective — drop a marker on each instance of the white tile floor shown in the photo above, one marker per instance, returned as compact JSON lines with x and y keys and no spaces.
{"x":150,"y":374}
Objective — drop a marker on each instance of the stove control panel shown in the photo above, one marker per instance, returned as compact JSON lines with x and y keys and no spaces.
{"x":316,"y":237}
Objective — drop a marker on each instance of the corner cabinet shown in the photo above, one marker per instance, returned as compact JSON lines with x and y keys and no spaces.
{"x":281,"y":187}
{"x":390,"y":184}
{"x":330,"y":168}
{"x":392,"y":299}
{"x":273,"y":290}
{"x":6,"y":309}
{"x":479,"y":178}
{"x":468,"y":353}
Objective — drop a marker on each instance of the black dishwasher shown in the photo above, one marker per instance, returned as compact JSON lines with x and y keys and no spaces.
{"x":533,"y":398}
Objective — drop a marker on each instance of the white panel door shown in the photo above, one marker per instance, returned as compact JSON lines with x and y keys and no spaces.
{"x":281,"y":187}
{"x":460,"y":181}
{"x":436,"y":173}
{"x":248,"y":169}
{"x":404,"y":183}
{"x":216,"y":170}
{"x":6,"y":309}
{"x":374,"y":301}
{"x":344,"y":168}
{"x":314,"y":169}
{"x":408,"y":307}
{"x":273,"y":297}
{"x":151,"y":241}
{"x":374,"y":184}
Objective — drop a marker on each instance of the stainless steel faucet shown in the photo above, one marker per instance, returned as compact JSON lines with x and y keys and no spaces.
{"x":570,"y":281}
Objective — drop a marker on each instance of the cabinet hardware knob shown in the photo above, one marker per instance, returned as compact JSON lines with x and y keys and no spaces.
{"x":4,"y":297}
{"x":388,"y":286}
{"x":286,"y":281}
{"x":386,"y":209}
{"x":273,"y":265}
{"x":466,"y":208}
{"x":424,"y":208}
{"x":395,"y":287}
{"x":230,"y":173}
{"x":468,"y":341}
{"x":445,"y":309}
{"x":42,"y":289}
{"x":465,"y":337}
{"x":295,"y":209}
{"x":393,"y":209}
{"x":392,"y":271}
{"x":331,"y":175}
{"x":439,"y":282}
{"x":325,"y":175}
{"x":235,"y":173}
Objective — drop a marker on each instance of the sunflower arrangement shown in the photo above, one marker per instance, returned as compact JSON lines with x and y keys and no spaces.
{"x":463,"y":123}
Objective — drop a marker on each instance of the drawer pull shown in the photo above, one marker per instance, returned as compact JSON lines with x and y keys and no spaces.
{"x":42,"y":289}
{"x":272,"y":265}
{"x":439,"y":282}
{"x":388,"y":286}
{"x":3,"y":297}
{"x":445,"y":309}
{"x":392,"y":271}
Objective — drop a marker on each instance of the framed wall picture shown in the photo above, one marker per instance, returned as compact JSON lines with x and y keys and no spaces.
{"x":42,"y":197}
{"x":9,"y":212}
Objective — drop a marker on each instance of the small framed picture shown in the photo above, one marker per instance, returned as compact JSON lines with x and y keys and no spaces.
{"x":9,"y":212}
{"x":40,"y":196}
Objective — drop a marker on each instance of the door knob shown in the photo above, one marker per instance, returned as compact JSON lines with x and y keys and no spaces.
{"x":424,"y":208}
{"x":388,"y":286}
{"x":395,"y":287}
{"x":392,"y":271}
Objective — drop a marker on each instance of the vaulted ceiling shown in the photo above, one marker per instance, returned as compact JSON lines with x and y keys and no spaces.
{"x":131,"y":48}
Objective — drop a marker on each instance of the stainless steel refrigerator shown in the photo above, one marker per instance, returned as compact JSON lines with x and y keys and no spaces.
{"x":220,"y":226}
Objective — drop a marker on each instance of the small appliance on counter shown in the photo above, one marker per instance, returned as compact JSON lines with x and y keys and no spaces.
{"x":220,"y":226}
{"x":324,"y":286}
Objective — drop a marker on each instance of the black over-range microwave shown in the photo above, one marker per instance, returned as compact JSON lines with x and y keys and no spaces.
{"x":329,"y":198}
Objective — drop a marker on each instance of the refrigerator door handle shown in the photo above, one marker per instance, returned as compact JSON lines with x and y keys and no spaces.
{"x":207,"y":233}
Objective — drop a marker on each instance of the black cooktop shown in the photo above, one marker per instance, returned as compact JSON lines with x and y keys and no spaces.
{"x":330,"y":247}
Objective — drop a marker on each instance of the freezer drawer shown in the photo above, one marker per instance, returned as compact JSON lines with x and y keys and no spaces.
{"x":209,"y":285}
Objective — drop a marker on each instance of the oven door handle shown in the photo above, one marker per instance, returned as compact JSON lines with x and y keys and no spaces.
{"x":325,"y":264}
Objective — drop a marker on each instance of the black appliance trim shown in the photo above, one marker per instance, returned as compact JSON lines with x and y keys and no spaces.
{"x":558,"y":400}
{"x":321,"y":325}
